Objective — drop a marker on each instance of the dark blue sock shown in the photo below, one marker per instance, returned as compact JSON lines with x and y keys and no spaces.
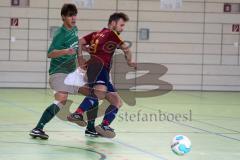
{"x":110,"y":114}
{"x":92,"y":115}
{"x":86,"y":104}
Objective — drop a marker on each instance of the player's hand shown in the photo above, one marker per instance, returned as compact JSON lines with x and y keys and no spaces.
{"x":132,"y":64}
{"x":88,"y":48}
{"x":70,"y":51}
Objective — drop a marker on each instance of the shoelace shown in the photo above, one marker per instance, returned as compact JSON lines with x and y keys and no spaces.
{"x":77,"y":116}
{"x":108,"y":128}
{"x":39,"y":130}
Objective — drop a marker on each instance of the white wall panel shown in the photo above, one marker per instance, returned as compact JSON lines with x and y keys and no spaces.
{"x":197,"y":49}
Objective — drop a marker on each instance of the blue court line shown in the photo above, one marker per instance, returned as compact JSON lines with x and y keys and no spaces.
{"x":102,"y":156}
{"x":122,"y":143}
{"x":214,"y":125}
{"x":213,"y":133}
{"x":227,"y":117}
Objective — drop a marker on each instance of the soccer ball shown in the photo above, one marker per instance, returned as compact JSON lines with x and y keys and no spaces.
{"x":181,"y":145}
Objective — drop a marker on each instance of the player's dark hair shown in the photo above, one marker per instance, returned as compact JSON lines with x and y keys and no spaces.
{"x":118,"y":15}
{"x":69,"y":9}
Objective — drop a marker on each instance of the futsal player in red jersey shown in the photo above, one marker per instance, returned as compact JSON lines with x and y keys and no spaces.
{"x":102,"y":45}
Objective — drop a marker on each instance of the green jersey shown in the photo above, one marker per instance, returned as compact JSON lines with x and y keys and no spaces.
{"x":64,"y":39}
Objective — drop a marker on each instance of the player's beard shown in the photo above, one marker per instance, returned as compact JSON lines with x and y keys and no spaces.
{"x":115,"y":29}
{"x":118,"y":32}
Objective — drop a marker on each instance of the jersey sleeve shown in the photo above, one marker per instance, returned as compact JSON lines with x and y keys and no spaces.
{"x":57,"y":42}
{"x":88,"y":37}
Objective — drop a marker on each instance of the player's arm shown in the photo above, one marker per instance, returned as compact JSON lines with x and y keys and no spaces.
{"x":57,"y":53}
{"x":83,"y":45}
{"x":128,"y":55}
{"x":124,"y":47}
{"x":81,"y":60}
{"x":56,"y":48}
{"x":85,"y":42}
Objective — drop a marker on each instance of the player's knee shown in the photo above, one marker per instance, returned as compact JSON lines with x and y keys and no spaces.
{"x":118,"y":103}
{"x":61,"y":98}
{"x":100,"y":91}
{"x":100,"y":94}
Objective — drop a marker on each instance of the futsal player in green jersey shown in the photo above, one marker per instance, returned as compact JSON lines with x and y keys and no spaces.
{"x":63,"y":54}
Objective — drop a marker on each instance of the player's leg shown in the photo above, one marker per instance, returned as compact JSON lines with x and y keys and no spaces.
{"x":92,"y":115}
{"x":48,"y":114}
{"x":93,"y":111}
{"x":115,"y":101}
{"x":89,"y":101}
{"x":61,"y":90}
{"x":78,"y":76}
{"x":96,"y":79}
